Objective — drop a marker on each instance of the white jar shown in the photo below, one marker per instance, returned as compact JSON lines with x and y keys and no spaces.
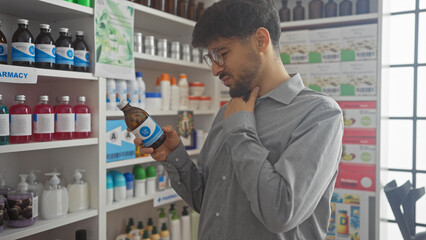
{"x":153,"y":101}
{"x":194,"y":102}
{"x":205,"y":103}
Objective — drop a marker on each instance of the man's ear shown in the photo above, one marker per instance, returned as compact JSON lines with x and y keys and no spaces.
{"x":262,"y":39}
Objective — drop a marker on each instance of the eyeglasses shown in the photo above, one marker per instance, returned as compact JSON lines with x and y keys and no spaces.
{"x":215,"y":56}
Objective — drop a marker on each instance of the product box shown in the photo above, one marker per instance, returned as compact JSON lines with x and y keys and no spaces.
{"x":359,"y":150}
{"x":358,"y":78}
{"x":119,"y":144}
{"x":324,"y":45}
{"x":325,"y":78}
{"x":356,"y":176}
{"x":302,"y":69}
{"x":359,"y":42}
{"x":294,"y":46}
{"x":359,"y":118}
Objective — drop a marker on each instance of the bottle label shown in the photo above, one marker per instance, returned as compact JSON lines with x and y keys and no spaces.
{"x":3,"y":52}
{"x":64,"y":55}
{"x":82,"y":122}
{"x":44,"y":123}
{"x":28,"y":208}
{"x":162,"y":182}
{"x":45,"y":53}
{"x":35,"y":206}
{"x":148,"y":131}
{"x":20,"y":124}
{"x":64,"y":122}
{"x":23,"y":52}
{"x":81,"y":58}
{"x":4,"y":124}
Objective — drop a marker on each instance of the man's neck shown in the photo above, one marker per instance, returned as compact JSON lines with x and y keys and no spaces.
{"x":272,"y":76}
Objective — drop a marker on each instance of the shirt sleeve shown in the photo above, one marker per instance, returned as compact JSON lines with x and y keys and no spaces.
{"x":284,"y":194}
{"x":185,"y":177}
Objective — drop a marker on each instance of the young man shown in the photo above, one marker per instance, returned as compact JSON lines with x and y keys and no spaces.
{"x":268,"y":167}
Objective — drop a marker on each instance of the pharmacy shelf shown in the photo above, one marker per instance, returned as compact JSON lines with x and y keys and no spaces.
{"x":119,"y":114}
{"x":158,"y":23}
{"x":45,"y":10}
{"x":42,"y":225}
{"x":354,"y":98}
{"x":306,"y":24}
{"x":11,"y":148}
{"x":64,"y":75}
{"x":137,"y":200}
{"x":152,"y":62}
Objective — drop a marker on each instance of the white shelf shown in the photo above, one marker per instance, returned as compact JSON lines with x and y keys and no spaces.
{"x":331,"y":20}
{"x":117,"y":114}
{"x":10,"y":148}
{"x":64,"y":75}
{"x":152,"y":62}
{"x":354,"y":98}
{"x":45,"y":10}
{"x":42,"y":225}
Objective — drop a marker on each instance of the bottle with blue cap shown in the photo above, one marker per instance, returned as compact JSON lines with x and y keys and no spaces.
{"x":129,"y":184}
{"x":119,"y":187}
{"x":110,"y":188}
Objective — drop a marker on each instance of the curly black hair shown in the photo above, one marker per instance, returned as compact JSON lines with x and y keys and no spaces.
{"x":236,"y":18}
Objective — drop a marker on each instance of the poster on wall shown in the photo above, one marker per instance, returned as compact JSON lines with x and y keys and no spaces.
{"x":114,"y":39}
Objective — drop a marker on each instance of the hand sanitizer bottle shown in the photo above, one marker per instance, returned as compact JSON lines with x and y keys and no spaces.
{"x":35,"y":186}
{"x":54,"y":202}
{"x":23,"y":205}
{"x":78,"y":192}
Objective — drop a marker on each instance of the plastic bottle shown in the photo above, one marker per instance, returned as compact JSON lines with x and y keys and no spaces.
{"x":315,"y":9}
{"x":23,"y":205}
{"x":171,"y":209}
{"x":34,"y":185}
{"x":142,"y":125}
{"x":121,"y":86}
{"x":174,"y":95}
{"x":81,"y":53}
{"x":161,"y":179}
{"x":4,"y":123}
{"x":54,"y":202}
{"x":298,"y":11}
{"x":78,"y":191}
{"x":155,"y":235}
{"x":64,"y":51}
{"x":20,"y":121}
{"x":82,"y":118}
{"x":119,"y":187}
{"x":43,"y":120}
{"x":183,"y":92}
{"x":186,"y":224}
{"x":129,"y":185}
{"x":191,"y":13}
{"x":150,"y":225}
{"x":330,"y":9}
{"x":140,"y":182}
{"x":345,"y":8}
{"x":164,"y":234}
{"x":81,"y":234}
{"x":142,"y":90}
{"x":110,"y":188}
{"x":195,"y":219}
{"x":146,"y":235}
{"x":131,"y":224}
{"x":175,"y":227}
{"x":111,"y":101}
{"x":150,"y":180}
{"x":4,"y":189}
{"x":133,"y":92}
{"x":140,"y":228}
{"x":3,"y":48}
{"x":23,"y":49}
{"x":64,"y":119}
{"x":284,"y":12}
{"x":45,"y":53}
{"x":162,"y":218}
{"x":165,"y":91}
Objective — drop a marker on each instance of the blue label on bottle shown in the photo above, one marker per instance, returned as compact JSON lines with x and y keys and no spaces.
{"x":64,"y":55}
{"x":81,"y":58}
{"x":3,"y":52}
{"x":45,"y":53}
{"x":23,"y":52}
{"x":148,"y":131}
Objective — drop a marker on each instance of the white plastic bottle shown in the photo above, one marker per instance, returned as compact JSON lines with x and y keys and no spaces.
{"x":142,"y":90}
{"x":165,"y":91}
{"x":195,"y":218}
{"x":34,"y":185}
{"x":175,"y":227}
{"x":133,"y":92}
{"x":121,"y":90}
{"x":150,"y":180}
{"x":140,"y":182}
{"x":111,"y":94}
{"x":174,"y":95}
{"x":186,"y":224}
{"x":54,"y":202}
{"x":78,"y":191}
{"x":183,"y":92}
{"x":119,"y":187}
{"x":110,"y":189}
{"x":129,"y":184}
{"x":23,"y":204}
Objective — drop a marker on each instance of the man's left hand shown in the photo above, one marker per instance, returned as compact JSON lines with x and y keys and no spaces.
{"x":238,"y":104}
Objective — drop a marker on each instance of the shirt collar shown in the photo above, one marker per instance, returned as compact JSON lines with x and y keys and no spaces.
{"x":288,"y":90}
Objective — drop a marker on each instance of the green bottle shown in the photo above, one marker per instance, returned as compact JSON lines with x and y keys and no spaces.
{"x":87,"y":3}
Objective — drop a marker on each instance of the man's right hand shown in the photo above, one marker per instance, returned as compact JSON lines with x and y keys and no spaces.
{"x":161,"y":153}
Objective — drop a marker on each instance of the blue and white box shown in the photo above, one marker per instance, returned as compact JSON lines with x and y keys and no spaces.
{"x":119,"y":144}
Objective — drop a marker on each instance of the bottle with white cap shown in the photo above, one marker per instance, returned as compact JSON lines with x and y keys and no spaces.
{"x":142,"y":90}
{"x":43,"y":120}
{"x":64,"y":119}
{"x":4,"y":123}
{"x":54,"y":201}
{"x":78,"y":192}
{"x":3,"y":48}
{"x":133,"y":92}
{"x":111,"y":95}
{"x":20,"y":121}
{"x":45,"y":52}
{"x":64,"y":51}
{"x":23,"y":205}
{"x":183,"y":92}
{"x":23,"y":49}
{"x":34,"y":185}
{"x":121,"y":86}
{"x":82,"y":118}
{"x":81,"y":53}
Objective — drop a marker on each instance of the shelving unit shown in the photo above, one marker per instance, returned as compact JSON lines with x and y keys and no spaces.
{"x":34,"y":146}
{"x":158,"y":63}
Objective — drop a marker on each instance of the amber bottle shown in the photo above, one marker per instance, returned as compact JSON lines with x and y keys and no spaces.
{"x":345,"y":8}
{"x":330,"y":9}
{"x":158,"y":4}
{"x":200,"y":10}
{"x":192,"y":10}
{"x":315,"y":9}
{"x":298,"y":11}
{"x":362,"y":6}
{"x":284,"y":12}
{"x":170,"y":6}
{"x":181,"y":8}
{"x":142,"y":2}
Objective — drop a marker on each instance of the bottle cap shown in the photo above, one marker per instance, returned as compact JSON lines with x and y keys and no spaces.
{"x":54,"y":181}
{"x":44,"y":26}
{"x":77,"y":175}
{"x":131,"y":222}
{"x":162,"y":213}
{"x":20,"y":98}
{"x":138,"y":74}
{"x":150,"y":172}
{"x":79,"y":33}
{"x":122,"y":104}
{"x":23,"y":21}
{"x":154,"y":230}
{"x":81,"y":234}
{"x":165,"y":77}
{"x":128,"y":176}
{"x":146,"y":234}
{"x":150,"y":222}
{"x":174,"y":82}
{"x":140,"y":225}
{"x":23,"y":185}
{"x":109,"y":181}
{"x":63,"y":30}
{"x":136,"y":166}
{"x":153,"y":95}
{"x":182,"y":75}
{"x":185,"y":211}
{"x":172,"y":207}
{"x":140,"y":174}
{"x":196,"y":84}
{"x":164,"y":227}
{"x":81,"y":99}
{"x":119,"y":180}
{"x":43,"y":98}
{"x":64,"y":98}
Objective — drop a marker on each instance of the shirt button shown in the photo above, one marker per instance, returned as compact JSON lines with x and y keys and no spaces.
{"x":217,"y":214}
{"x":170,"y":165}
{"x":179,"y":183}
{"x":177,"y":160}
{"x":223,"y":178}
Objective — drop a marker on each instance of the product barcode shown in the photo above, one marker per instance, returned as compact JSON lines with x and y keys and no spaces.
{"x":120,"y":154}
{"x":330,"y":57}
{"x":331,"y":90}
{"x":366,"y":54}
{"x":365,"y":90}
{"x":298,"y":58}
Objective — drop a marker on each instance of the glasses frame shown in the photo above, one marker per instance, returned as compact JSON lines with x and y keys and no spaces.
{"x":215,"y":57}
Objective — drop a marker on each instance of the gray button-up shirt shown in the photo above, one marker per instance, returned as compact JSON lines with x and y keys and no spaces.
{"x":267,"y":175}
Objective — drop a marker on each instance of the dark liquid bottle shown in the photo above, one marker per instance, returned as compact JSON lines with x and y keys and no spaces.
{"x":81,"y":53}
{"x":330,"y":9}
{"x":4,"y":123}
{"x":3,"y":48}
{"x":192,"y":10}
{"x":181,"y":8}
{"x":64,"y":51}
{"x":345,"y":8}
{"x":158,"y":4}
{"x":23,"y":49}
{"x":200,"y":10}
{"x":315,"y":9}
{"x":142,"y":125}
{"x":45,"y":48}
{"x":362,"y":6}
{"x":284,"y":12}
{"x":170,"y":6}
{"x":142,"y":2}
{"x":298,"y":11}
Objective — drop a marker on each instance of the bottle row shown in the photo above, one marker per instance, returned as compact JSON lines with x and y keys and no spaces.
{"x":44,"y":51}
{"x":169,"y":49}
{"x":20,"y":206}
{"x":45,"y":123}
{"x":87,"y":3}
{"x":180,"y":8}
{"x":317,"y":9}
